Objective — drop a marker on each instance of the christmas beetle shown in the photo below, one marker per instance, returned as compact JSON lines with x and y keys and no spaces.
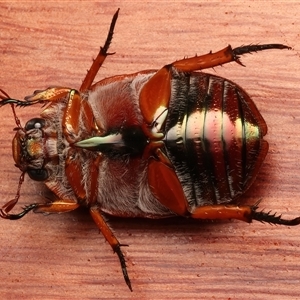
{"x":153,"y":144}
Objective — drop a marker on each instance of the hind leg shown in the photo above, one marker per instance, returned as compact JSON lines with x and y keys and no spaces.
{"x":245,"y":213}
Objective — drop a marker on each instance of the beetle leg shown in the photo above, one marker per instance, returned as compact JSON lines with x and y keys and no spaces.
{"x":163,"y":181}
{"x":112,"y":240}
{"x":221,"y":57}
{"x":71,"y":116}
{"x":271,"y":218}
{"x":56,"y":94}
{"x":5,"y":215}
{"x":7,"y":207}
{"x":166,"y":187}
{"x":76,"y":108}
{"x":57,"y":206}
{"x":246,"y":213}
{"x":75,"y":173}
{"x":155,"y":95}
{"x":218,"y":212}
{"x":53,"y":94}
{"x":97,"y":63}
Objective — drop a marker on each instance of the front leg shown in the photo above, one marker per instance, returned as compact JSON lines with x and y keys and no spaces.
{"x":75,"y":106}
{"x":45,"y":97}
{"x":57,"y":206}
{"x":76,"y":109}
{"x":53,"y":94}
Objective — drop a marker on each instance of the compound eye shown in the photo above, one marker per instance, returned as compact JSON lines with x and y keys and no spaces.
{"x":36,"y":123}
{"x":38,"y":174}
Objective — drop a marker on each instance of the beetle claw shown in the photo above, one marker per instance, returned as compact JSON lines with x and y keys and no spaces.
{"x":237,"y":60}
{"x":26,"y":210}
{"x":18,"y":103}
{"x":272,"y":218}
{"x":123,"y":265}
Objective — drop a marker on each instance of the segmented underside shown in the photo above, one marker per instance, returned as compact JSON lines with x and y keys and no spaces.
{"x":213,"y":137}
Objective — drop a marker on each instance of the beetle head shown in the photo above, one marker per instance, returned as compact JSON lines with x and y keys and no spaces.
{"x":27,"y":145}
{"x":27,"y":148}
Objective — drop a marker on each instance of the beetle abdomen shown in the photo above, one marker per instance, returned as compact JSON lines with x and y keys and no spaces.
{"x":213,"y":137}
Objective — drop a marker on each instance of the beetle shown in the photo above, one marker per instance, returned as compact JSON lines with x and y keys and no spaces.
{"x":153,"y":144}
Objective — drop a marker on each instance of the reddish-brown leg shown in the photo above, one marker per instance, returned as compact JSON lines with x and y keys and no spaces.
{"x":97,"y":63}
{"x":112,"y":240}
{"x":156,"y":92}
{"x":163,"y":181}
{"x":245,"y":213}
{"x":166,"y":187}
{"x":76,"y":109}
{"x":54,"y":94}
{"x":56,"y":207}
{"x":214,"y":212}
{"x":7,"y":207}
